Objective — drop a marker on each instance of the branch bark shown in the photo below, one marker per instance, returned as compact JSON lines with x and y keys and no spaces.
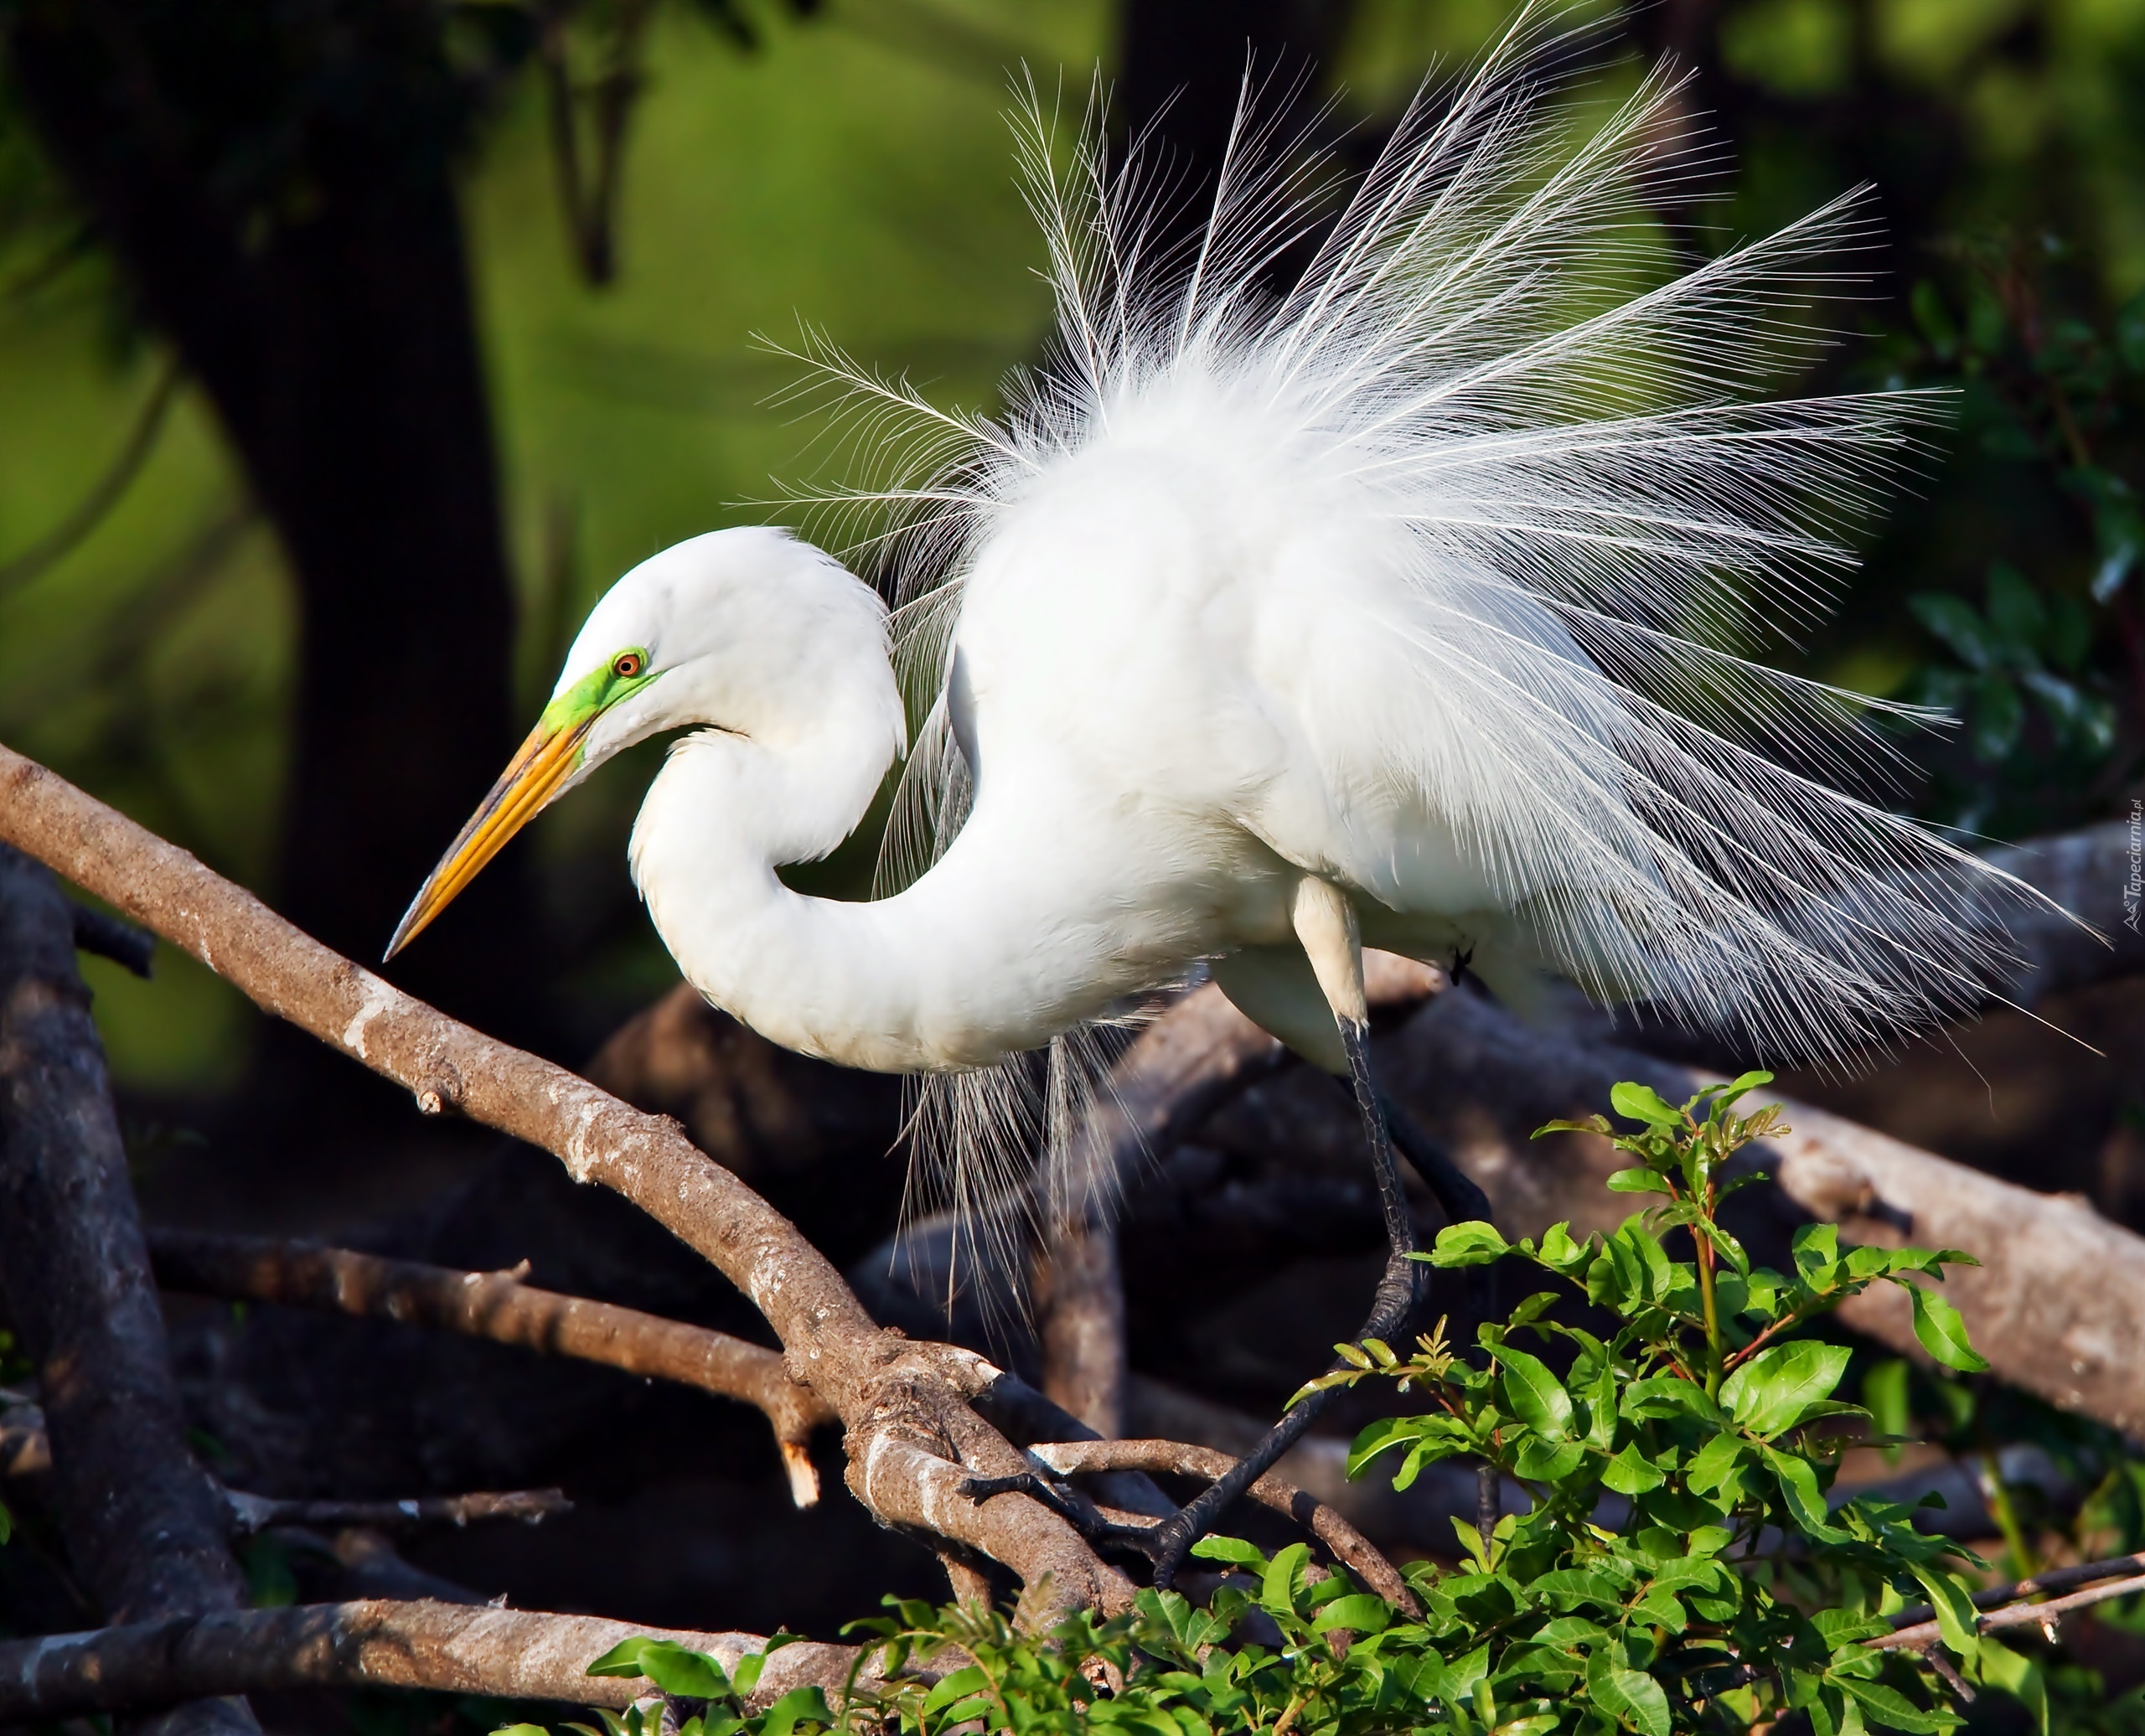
{"x":498,"y":1306}
{"x":143,"y":1524}
{"x":911,"y":1440}
{"x":1173,"y":1458}
{"x":1925,"y":1635}
{"x":508,"y":1654}
{"x":251,"y":1513}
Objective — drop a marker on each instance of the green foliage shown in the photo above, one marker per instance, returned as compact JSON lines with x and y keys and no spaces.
{"x":1712,"y":1422}
{"x":1681,"y":1567}
{"x":693,"y":1676}
{"x":2037,"y":672}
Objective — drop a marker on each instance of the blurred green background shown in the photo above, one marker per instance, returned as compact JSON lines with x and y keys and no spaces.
{"x":848,"y":164}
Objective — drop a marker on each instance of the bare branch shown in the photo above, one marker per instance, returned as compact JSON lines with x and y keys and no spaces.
{"x":508,"y":1654}
{"x":2039,"y":1585}
{"x":251,"y":1513}
{"x":2045,"y":1616}
{"x":498,"y":1306}
{"x":898,"y":1401}
{"x":1349,"y":1545}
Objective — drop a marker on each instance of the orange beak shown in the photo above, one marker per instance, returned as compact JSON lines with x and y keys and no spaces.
{"x":532,"y":778}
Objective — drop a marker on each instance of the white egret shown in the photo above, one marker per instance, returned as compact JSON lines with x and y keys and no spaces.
{"x":1412,"y":607}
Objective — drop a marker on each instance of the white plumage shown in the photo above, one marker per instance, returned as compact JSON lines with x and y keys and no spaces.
{"x":1436,"y":582}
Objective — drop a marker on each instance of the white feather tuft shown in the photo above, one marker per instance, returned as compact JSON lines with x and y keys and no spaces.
{"x":1489,"y":363}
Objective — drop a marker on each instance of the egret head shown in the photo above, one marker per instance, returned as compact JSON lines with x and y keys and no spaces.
{"x":738,"y":628}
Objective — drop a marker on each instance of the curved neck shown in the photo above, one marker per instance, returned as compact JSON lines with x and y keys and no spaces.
{"x":968,"y":965}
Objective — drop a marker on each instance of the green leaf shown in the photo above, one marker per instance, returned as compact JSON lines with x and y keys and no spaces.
{"x":1548,"y":1462}
{"x":1884,"y":1392}
{"x":1283,"y":1584}
{"x":1215,"y":1548}
{"x":1798,"y":1486}
{"x":2014,"y":607}
{"x":1642,"y":1103}
{"x":1473,"y":1243}
{"x":1742,"y":1082}
{"x":1999,"y":719}
{"x":1776,"y":1388}
{"x":1560,"y":1253}
{"x":1574,"y":1588}
{"x":1816,"y":1251}
{"x":956,"y":1686}
{"x":1954,"y":1605}
{"x":1943,"y":1333}
{"x":1360,"y":1613}
{"x":1665,"y":1395}
{"x":800,"y":1705}
{"x":1889,"y":1707}
{"x":1714,"y":1463}
{"x":1631,"y":1473}
{"x":1631,"y":1697}
{"x":1532,"y":1308}
{"x":671,"y":1668}
{"x":1637,"y":1181}
{"x":1535,"y":1396}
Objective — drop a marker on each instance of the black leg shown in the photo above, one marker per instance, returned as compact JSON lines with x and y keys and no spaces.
{"x":1399,"y":1291}
{"x":1463,"y":1202}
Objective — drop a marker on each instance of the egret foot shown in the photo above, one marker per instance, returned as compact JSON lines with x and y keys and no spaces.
{"x":1070,"y":1505}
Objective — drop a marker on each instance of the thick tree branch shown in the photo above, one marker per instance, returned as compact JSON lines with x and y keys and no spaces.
{"x":498,"y":1306}
{"x":508,"y":1654}
{"x":143,"y":1524}
{"x":897,"y":1400}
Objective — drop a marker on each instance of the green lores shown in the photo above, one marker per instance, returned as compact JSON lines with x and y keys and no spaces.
{"x":1680,"y":1567}
{"x":590,"y":697}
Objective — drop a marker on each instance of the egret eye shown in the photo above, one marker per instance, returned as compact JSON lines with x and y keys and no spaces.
{"x":628,"y":664}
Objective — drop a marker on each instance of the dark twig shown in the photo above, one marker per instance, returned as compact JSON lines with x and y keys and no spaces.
{"x":498,"y":1306}
{"x":251,"y":1513}
{"x":99,"y":932}
{"x":1349,"y":1545}
{"x":145,"y":1530}
{"x":507,"y":1654}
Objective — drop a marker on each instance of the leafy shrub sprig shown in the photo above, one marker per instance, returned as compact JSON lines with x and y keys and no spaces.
{"x":1677,"y":1467}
